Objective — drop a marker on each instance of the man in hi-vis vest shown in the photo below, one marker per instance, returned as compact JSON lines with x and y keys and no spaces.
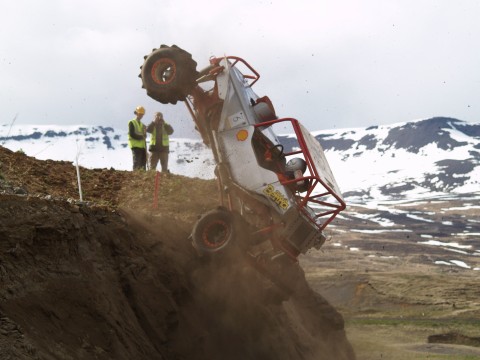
{"x":137,"y":138}
{"x":159,"y":142}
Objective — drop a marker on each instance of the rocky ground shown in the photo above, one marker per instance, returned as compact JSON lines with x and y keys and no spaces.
{"x":115,"y":277}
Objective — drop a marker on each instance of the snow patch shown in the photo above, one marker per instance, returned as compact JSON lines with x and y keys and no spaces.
{"x":460,"y":263}
{"x":453,"y":262}
{"x":415,"y":217}
{"x":379,"y":231}
{"x":440,"y":243}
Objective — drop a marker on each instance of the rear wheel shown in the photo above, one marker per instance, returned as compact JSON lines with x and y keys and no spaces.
{"x":214,"y":232}
{"x":169,"y":74}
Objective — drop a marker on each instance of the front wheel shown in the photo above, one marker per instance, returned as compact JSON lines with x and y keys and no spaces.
{"x":214,"y":232}
{"x":169,"y":74}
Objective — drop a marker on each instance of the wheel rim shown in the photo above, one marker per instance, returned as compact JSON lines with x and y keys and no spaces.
{"x":163,"y":71}
{"x":216,"y":234}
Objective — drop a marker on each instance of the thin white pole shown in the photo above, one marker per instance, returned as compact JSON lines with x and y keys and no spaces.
{"x":78,"y":174}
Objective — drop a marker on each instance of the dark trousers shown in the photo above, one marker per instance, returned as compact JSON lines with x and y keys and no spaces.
{"x":139,"y":159}
{"x":155,"y":157}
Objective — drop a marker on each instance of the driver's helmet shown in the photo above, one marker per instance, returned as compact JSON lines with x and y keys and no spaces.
{"x":296,"y":164}
{"x":294,"y":169}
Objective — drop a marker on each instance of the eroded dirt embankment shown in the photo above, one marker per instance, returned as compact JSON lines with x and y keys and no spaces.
{"x":122,"y":281}
{"x":79,"y":282}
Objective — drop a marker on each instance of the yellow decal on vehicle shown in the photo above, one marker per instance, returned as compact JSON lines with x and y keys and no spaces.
{"x":277,"y":197}
{"x":242,"y":135}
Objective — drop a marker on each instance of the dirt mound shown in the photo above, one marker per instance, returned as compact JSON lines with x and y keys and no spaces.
{"x":115,"y":277}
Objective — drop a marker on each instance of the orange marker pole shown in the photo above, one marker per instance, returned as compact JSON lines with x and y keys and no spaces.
{"x":155,"y":193}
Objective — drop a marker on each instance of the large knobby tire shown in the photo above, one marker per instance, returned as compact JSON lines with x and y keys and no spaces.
{"x":169,"y":74}
{"x":214,"y":232}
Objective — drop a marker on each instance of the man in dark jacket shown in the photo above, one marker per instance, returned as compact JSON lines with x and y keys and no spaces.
{"x":159,"y":142}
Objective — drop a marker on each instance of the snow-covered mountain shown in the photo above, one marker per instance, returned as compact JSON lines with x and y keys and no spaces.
{"x":418,"y":159}
{"x":101,"y":147}
{"x":413,"y":160}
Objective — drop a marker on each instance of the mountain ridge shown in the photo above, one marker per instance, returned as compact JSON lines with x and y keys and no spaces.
{"x":420,"y":158}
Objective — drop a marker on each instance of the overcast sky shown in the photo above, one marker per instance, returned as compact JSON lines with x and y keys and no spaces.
{"x":328,"y":63}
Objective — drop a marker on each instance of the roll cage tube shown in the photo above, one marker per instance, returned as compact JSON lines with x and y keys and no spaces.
{"x":310,"y":198}
{"x":200,"y":100}
{"x":236,"y":59}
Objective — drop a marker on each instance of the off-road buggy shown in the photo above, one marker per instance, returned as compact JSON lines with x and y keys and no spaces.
{"x":275,"y":201}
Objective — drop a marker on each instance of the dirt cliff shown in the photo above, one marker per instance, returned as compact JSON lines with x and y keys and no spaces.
{"x":115,"y":277}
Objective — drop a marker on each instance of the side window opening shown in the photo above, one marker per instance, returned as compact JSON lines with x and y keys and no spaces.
{"x":269,"y":155}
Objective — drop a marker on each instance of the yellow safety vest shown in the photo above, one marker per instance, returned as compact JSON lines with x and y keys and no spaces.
{"x":139,"y":130}
{"x":165,"y":138}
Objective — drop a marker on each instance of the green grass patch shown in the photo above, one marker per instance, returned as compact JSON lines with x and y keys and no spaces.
{"x":406,"y":339}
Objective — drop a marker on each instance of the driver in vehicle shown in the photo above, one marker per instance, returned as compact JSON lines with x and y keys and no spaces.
{"x":295,"y":169}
